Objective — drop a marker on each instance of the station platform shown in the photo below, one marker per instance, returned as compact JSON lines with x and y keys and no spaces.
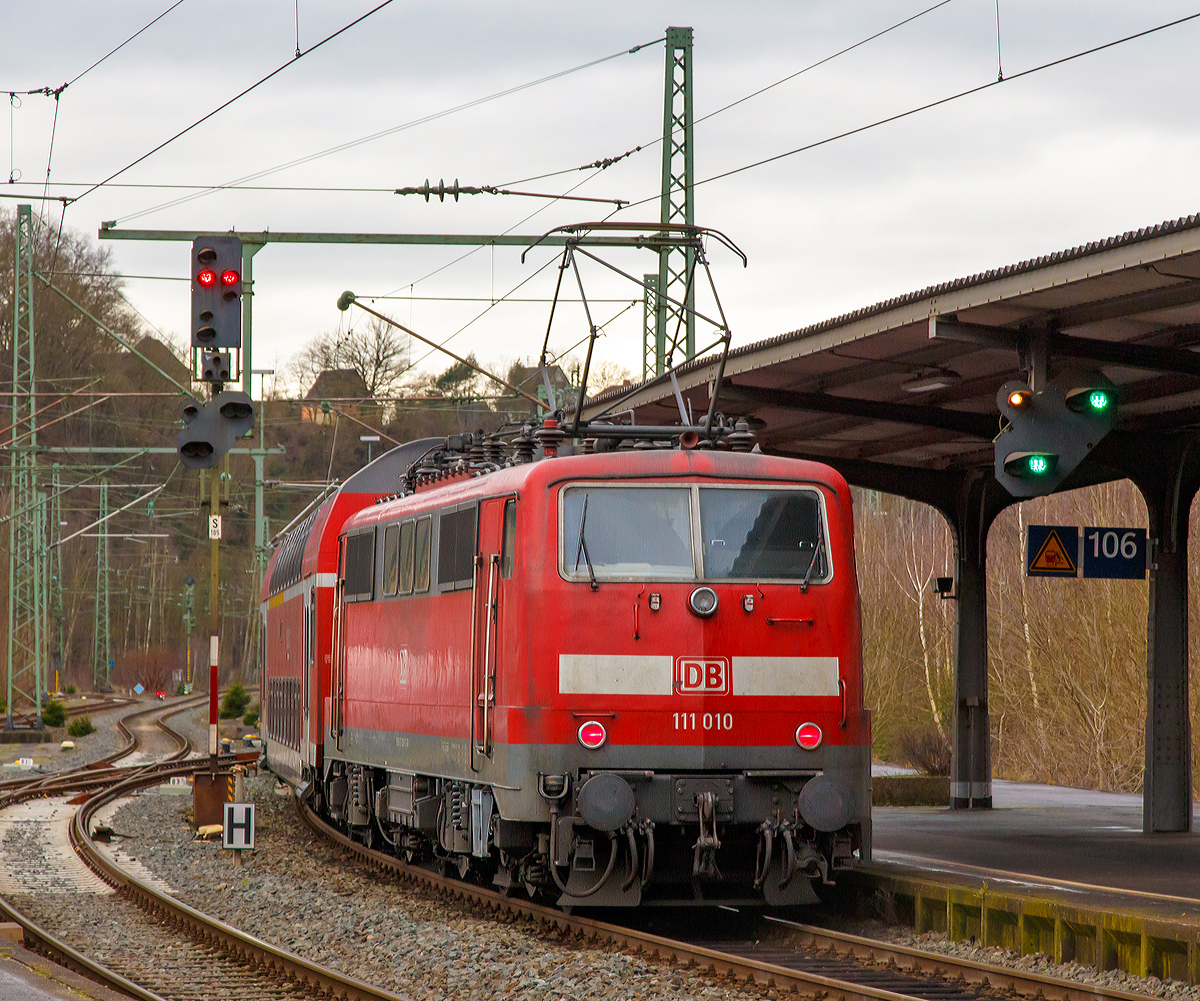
{"x":1059,"y":834}
{"x":26,"y":976}
{"x":1063,"y":872}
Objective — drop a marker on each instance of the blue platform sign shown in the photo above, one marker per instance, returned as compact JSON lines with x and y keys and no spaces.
{"x":1114,"y":553}
{"x":138,"y":688}
{"x":1052,"y":551}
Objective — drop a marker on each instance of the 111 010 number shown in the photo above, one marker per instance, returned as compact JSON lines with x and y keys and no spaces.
{"x":707,"y":721}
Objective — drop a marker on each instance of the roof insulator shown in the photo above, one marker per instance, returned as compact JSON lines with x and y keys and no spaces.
{"x":741,"y":439}
{"x":549,"y":436}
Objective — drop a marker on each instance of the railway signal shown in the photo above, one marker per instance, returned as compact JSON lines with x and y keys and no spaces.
{"x":1052,"y":430}
{"x":212,"y":429}
{"x":216,"y":273}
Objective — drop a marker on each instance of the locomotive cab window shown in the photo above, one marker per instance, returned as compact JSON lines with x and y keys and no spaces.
{"x":407,"y":531}
{"x":423,"y":540}
{"x":391,"y":559}
{"x":627,"y":532}
{"x":693,"y":532}
{"x":751,"y":534}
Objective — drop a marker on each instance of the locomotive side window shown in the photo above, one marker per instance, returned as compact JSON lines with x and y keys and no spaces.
{"x":406,"y":557}
{"x":456,"y":548}
{"x":391,"y":559}
{"x":360,"y":566}
{"x":424,"y":536}
{"x":762,"y":534}
{"x":509,"y":543}
{"x":613,"y":532}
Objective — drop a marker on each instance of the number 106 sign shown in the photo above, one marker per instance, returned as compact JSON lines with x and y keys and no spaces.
{"x":1118,"y":553}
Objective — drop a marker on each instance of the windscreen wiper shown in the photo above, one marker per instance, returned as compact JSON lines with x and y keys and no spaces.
{"x":583,"y":546}
{"x":817,"y":549}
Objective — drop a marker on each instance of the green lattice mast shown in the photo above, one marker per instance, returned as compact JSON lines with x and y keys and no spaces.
{"x":101,"y":652}
{"x":673,"y":332}
{"x":26,"y":536}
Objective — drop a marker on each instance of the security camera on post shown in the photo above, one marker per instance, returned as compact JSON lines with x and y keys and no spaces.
{"x":212,"y":429}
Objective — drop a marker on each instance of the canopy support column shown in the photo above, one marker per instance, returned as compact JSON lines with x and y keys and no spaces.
{"x":980,"y":499}
{"x":1168,"y":477}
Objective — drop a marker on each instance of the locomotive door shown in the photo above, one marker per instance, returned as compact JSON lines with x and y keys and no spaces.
{"x":337,"y":714}
{"x":308,"y":667}
{"x":493,"y":568}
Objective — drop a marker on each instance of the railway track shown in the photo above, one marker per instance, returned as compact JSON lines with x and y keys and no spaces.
{"x":821,"y":963}
{"x":86,"y":776}
{"x":101,"y":705}
{"x":168,"y":950}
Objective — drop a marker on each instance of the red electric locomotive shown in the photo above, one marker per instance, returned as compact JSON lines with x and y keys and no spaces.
{"x":615,"y":677}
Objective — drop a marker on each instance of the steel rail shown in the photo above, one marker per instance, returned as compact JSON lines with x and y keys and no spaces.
{"x":904,"y":958}
{"x":43,"y":942}
{"x":986,"y":974}
{"x":85,"y":775}
{"x":99,"y":706}
{"x":276,"y":962}
{"x":654,"y":946}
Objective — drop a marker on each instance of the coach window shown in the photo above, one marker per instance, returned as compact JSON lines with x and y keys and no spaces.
{"x":509,"y":541}
{"x":360,"y":566}
{"x":407,"y":531}
{"x":423,"y":536}
{"x":391,"y":559}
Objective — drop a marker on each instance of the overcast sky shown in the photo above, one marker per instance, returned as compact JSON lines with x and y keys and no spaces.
{"x":1075,"y":153}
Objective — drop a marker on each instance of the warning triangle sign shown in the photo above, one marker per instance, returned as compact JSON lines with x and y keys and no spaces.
{"x":1053,"y":557}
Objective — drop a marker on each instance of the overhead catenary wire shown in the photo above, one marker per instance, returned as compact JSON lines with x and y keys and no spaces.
{"x":372,"y":137}
{"x":457,"y":189}
{"x":238,"y":96}
{"x":606,"y":162}
{"x":934,"y":104}
{"x":54,"y":91}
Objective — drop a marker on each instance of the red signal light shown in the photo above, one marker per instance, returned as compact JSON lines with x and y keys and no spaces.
{"x":207,"y":278}
{"x":592,"y":735}
{"x":808,"y":736}
{"x":230,"y":277}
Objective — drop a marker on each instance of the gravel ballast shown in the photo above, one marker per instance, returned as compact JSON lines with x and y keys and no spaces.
{"x":302,"y":893}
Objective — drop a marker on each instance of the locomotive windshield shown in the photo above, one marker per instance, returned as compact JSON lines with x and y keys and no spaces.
{"x":761,"y":534}
{"x":628,"y":531}
{"x":647,"y":532}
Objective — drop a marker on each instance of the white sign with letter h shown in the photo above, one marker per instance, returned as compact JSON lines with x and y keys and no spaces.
{"x":238,"y":829}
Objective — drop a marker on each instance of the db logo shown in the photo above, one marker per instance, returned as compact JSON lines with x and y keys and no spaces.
{"x":702,"y":676}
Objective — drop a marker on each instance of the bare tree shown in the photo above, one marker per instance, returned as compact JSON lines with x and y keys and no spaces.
{"x":377,"y":352}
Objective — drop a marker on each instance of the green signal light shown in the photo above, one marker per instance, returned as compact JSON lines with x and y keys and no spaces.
{"x":1098,"y":399}
{"x":1038,"y":464}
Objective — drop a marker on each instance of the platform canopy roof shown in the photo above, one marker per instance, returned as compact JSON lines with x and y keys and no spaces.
{"x":883,"y":385}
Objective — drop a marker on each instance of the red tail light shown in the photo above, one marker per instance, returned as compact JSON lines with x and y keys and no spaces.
{"x":207,"y":278}
{"x":592,"y":735}
{"x":230,"y":277}
{"x":808,"y":736}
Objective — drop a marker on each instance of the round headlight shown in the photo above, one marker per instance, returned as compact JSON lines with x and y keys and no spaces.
{"x":703,"y":601}
{"x":808,"y":736}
